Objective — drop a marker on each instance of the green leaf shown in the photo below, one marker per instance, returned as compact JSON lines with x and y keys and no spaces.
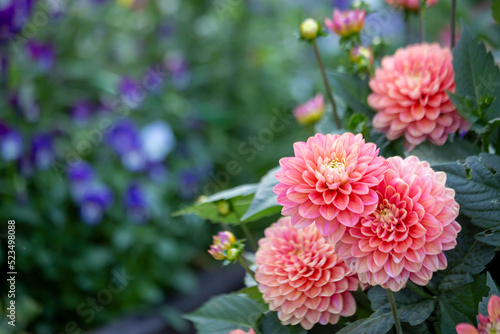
{"x":353,"y":91}
{"x":495,"y":8}
{"x":224,"y":313}
{"x":254,"y":293}
{"x":449,"y":152}
{"x":477,"y":81}
{"x":271,"y":324}
{"x":265,"y":201}
{"x":238,"y":201}
{"x":483,"y":305}
{"x":477,"y":187}
{"x":489,"y":237}
{"x":468,"y":258}
{"x":379,"y":322}
{"x":460,"y":305}
{"x":411,"y":307}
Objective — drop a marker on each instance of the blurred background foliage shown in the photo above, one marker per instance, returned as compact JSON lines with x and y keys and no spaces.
{"x":114,"y":114}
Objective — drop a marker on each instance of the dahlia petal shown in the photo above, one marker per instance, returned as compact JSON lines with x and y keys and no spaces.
{"x":329,"y":212}
{"x":341,"y":201}
{"x":494,"y":307}
{"x":348,"y":218}
{"x":309,"y":210}
{"x":466,"y":329}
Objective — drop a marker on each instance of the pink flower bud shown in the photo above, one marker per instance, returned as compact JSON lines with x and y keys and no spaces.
{"x":222,"y":242}
{"x":361,"y":56}
{"x":311,"y":111}
{"x":346,"y":23}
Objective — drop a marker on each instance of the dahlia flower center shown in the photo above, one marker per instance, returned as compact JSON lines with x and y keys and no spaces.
{"x":335,"y":171}
{"x":491,"y":328}
{"x":388,"y":225}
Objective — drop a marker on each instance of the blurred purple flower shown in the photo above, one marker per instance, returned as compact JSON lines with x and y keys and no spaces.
{"x":13,"y":15}
{"x":11,"y":143}
{"x":25,"y":166}
{"x":341,"y":4}
{"x":188,"y":185}
{"x":178,"y":67}
{"x":157,"y":140}
{"x":94,"y":202}
{"x":131,"y":92}
{"x":123,"y":137}
{"x":42,"y":53}
{"x":136,"y":203}
{"x":81,"y":112}
{"x":158,"y":172}
{"x":42,"y":150}
{"x":80,"y":177}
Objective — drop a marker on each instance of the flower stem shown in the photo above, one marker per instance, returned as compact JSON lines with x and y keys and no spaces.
{"x":246,"y":267}
{"x":407,"y":27}
{"x":327,"y":85}
{"x":453,"y":17}
{"x":422,"y":19}
{"x":250,"y":239}
{"x":399,"y":329}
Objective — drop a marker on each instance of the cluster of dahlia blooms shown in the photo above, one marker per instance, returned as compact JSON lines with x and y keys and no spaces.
{"x":390,"y":220}
{"x":302,"y":278}
{"x":409,"y":95}
{"x":487,"y":325}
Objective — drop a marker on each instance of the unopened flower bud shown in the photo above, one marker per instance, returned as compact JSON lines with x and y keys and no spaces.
{"x":362,"y":56}
{"x":309,"y":29}
{"x":311,"y":111}
{"x":347,"y":22}
{"x":223,"y":207}
{"x":233,"y":254}
{"x":222,"y":243}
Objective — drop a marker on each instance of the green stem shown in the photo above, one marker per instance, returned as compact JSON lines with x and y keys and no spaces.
{"x":250,"y":239}
{"x":453,"y":18}
{"x":422,"y":21}
{"x":413,"y":287}
{"x":327,"y":85}
{"x":407,"y":27}
{"x":399,"y":329}
{"x":246,"y":267}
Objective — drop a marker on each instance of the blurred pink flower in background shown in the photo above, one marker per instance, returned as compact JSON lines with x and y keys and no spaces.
{"x":346,"y":22}
{"x":412,"y":5}
{"x":409,"y":94}
{"x":407,"y":234}
{"x":302,"y":278}
{"x":311,"y":111}
{"x":487,"y":325}
{"x":330,"y":182}
{"x":241,"y":331}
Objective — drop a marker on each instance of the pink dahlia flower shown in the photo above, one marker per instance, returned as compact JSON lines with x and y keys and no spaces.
{"x":487,"y":325}
{"x":330,"y":182}
{"x":407,"y":234}
{"x":409,"y":94}
{"x":347,"y":22}
{"x":311,"y":111}
{"x":302,"y":278}
{"x":240,"y":331}
{"x":413,"y":5}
